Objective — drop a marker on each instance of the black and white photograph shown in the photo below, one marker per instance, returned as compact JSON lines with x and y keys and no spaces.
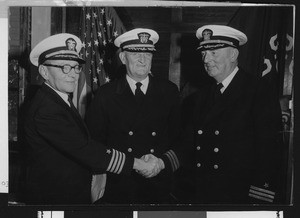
{"x":172,"y":104}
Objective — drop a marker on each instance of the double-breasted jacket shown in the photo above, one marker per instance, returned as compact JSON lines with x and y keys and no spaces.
{"x":152,"y":127}
{"x":233,"y":147}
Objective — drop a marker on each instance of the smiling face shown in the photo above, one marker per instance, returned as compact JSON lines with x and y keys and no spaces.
{"x":58,"y":80}
{"x":219,"y":63}
{"x":138,"y":64}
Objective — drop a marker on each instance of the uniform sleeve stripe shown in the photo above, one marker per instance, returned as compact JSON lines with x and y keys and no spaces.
{"x":173,"y":167}
{"x":114,"y":160}
{"x":117,"y":162}
{"x":120,"y":163}
{"x":260,"y":198}
{"x":176,"y":160}
{"x":113,"y":170}
{"x":117,"y":165}
{"x":262,"y":190}
{"x":111,"y":161}
{"x":261,"y":194}
{"x":173,"y":159}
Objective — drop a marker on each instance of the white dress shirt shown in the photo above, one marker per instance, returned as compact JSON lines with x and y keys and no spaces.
{"x":64,"y":96}
{"x":228,"y":79}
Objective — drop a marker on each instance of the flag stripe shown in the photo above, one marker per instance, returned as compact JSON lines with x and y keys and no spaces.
{"x":99,"y":28}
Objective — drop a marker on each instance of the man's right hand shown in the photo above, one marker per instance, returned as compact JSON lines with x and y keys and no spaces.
{"x":148,"y":166}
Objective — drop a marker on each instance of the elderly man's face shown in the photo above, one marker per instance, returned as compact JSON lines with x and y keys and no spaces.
{"x":138,"y":64}
{"x":58,"y":80}
{"x":219,"y":63}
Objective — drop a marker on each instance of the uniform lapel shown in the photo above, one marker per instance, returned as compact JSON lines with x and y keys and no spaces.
{"x":126,"y":100}
{"x":58,"y":100}
{"x":203,"y":104}
{"x":230,"y":95}
{"x":136,"y":113}
{"x":150,"y":102}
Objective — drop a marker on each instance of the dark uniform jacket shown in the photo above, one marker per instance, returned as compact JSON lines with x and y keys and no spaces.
{"x":232,"y":147}
{"x":62,"y":154}
{"x":116,"y":119}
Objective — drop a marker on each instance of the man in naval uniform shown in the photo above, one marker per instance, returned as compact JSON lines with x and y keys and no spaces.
{"x":62,"y":155}
{"x":231,"y":129}
{"x":138,"y":114}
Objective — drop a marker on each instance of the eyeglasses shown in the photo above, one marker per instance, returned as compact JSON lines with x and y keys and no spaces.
{"x":66,"y":68}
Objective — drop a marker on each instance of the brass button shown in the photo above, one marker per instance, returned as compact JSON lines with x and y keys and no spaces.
{"x":129,"y":149}
{"x":198,"y":164}
{"x":200,"y":132}
{"x":216,"y":150}
{"x":198,"y":148}
{"x":216,"y":166}
{"x":217,"y":132}
{"x":130,"y":133}
{"x":153,"y":133}
{"x":152,"y":150}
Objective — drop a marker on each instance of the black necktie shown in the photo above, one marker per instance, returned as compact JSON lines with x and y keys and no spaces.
{"x":70,"y":97}
{"x":138,"y":92}
{"x":218,"y":93}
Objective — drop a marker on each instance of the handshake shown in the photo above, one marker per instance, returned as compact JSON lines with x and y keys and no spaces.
{"x":148,"y":165}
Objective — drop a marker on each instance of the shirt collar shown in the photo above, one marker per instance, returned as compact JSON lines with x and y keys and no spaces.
{"x":228,"y":79}
{"x":64,"y":96}
{"x":132,"y":82}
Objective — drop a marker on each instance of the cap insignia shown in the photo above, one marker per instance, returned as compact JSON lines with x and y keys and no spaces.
{"x":144,"y":37}
{"x":206,"y":34}
{"x":71,"y":44}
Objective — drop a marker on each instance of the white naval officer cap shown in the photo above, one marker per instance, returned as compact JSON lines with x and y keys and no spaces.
{"x":137,"y":40}
{"x":219,"y":36}
{"x":62,"y":46}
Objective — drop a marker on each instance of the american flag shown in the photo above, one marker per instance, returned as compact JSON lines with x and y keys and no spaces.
{"x":99,"y":28}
